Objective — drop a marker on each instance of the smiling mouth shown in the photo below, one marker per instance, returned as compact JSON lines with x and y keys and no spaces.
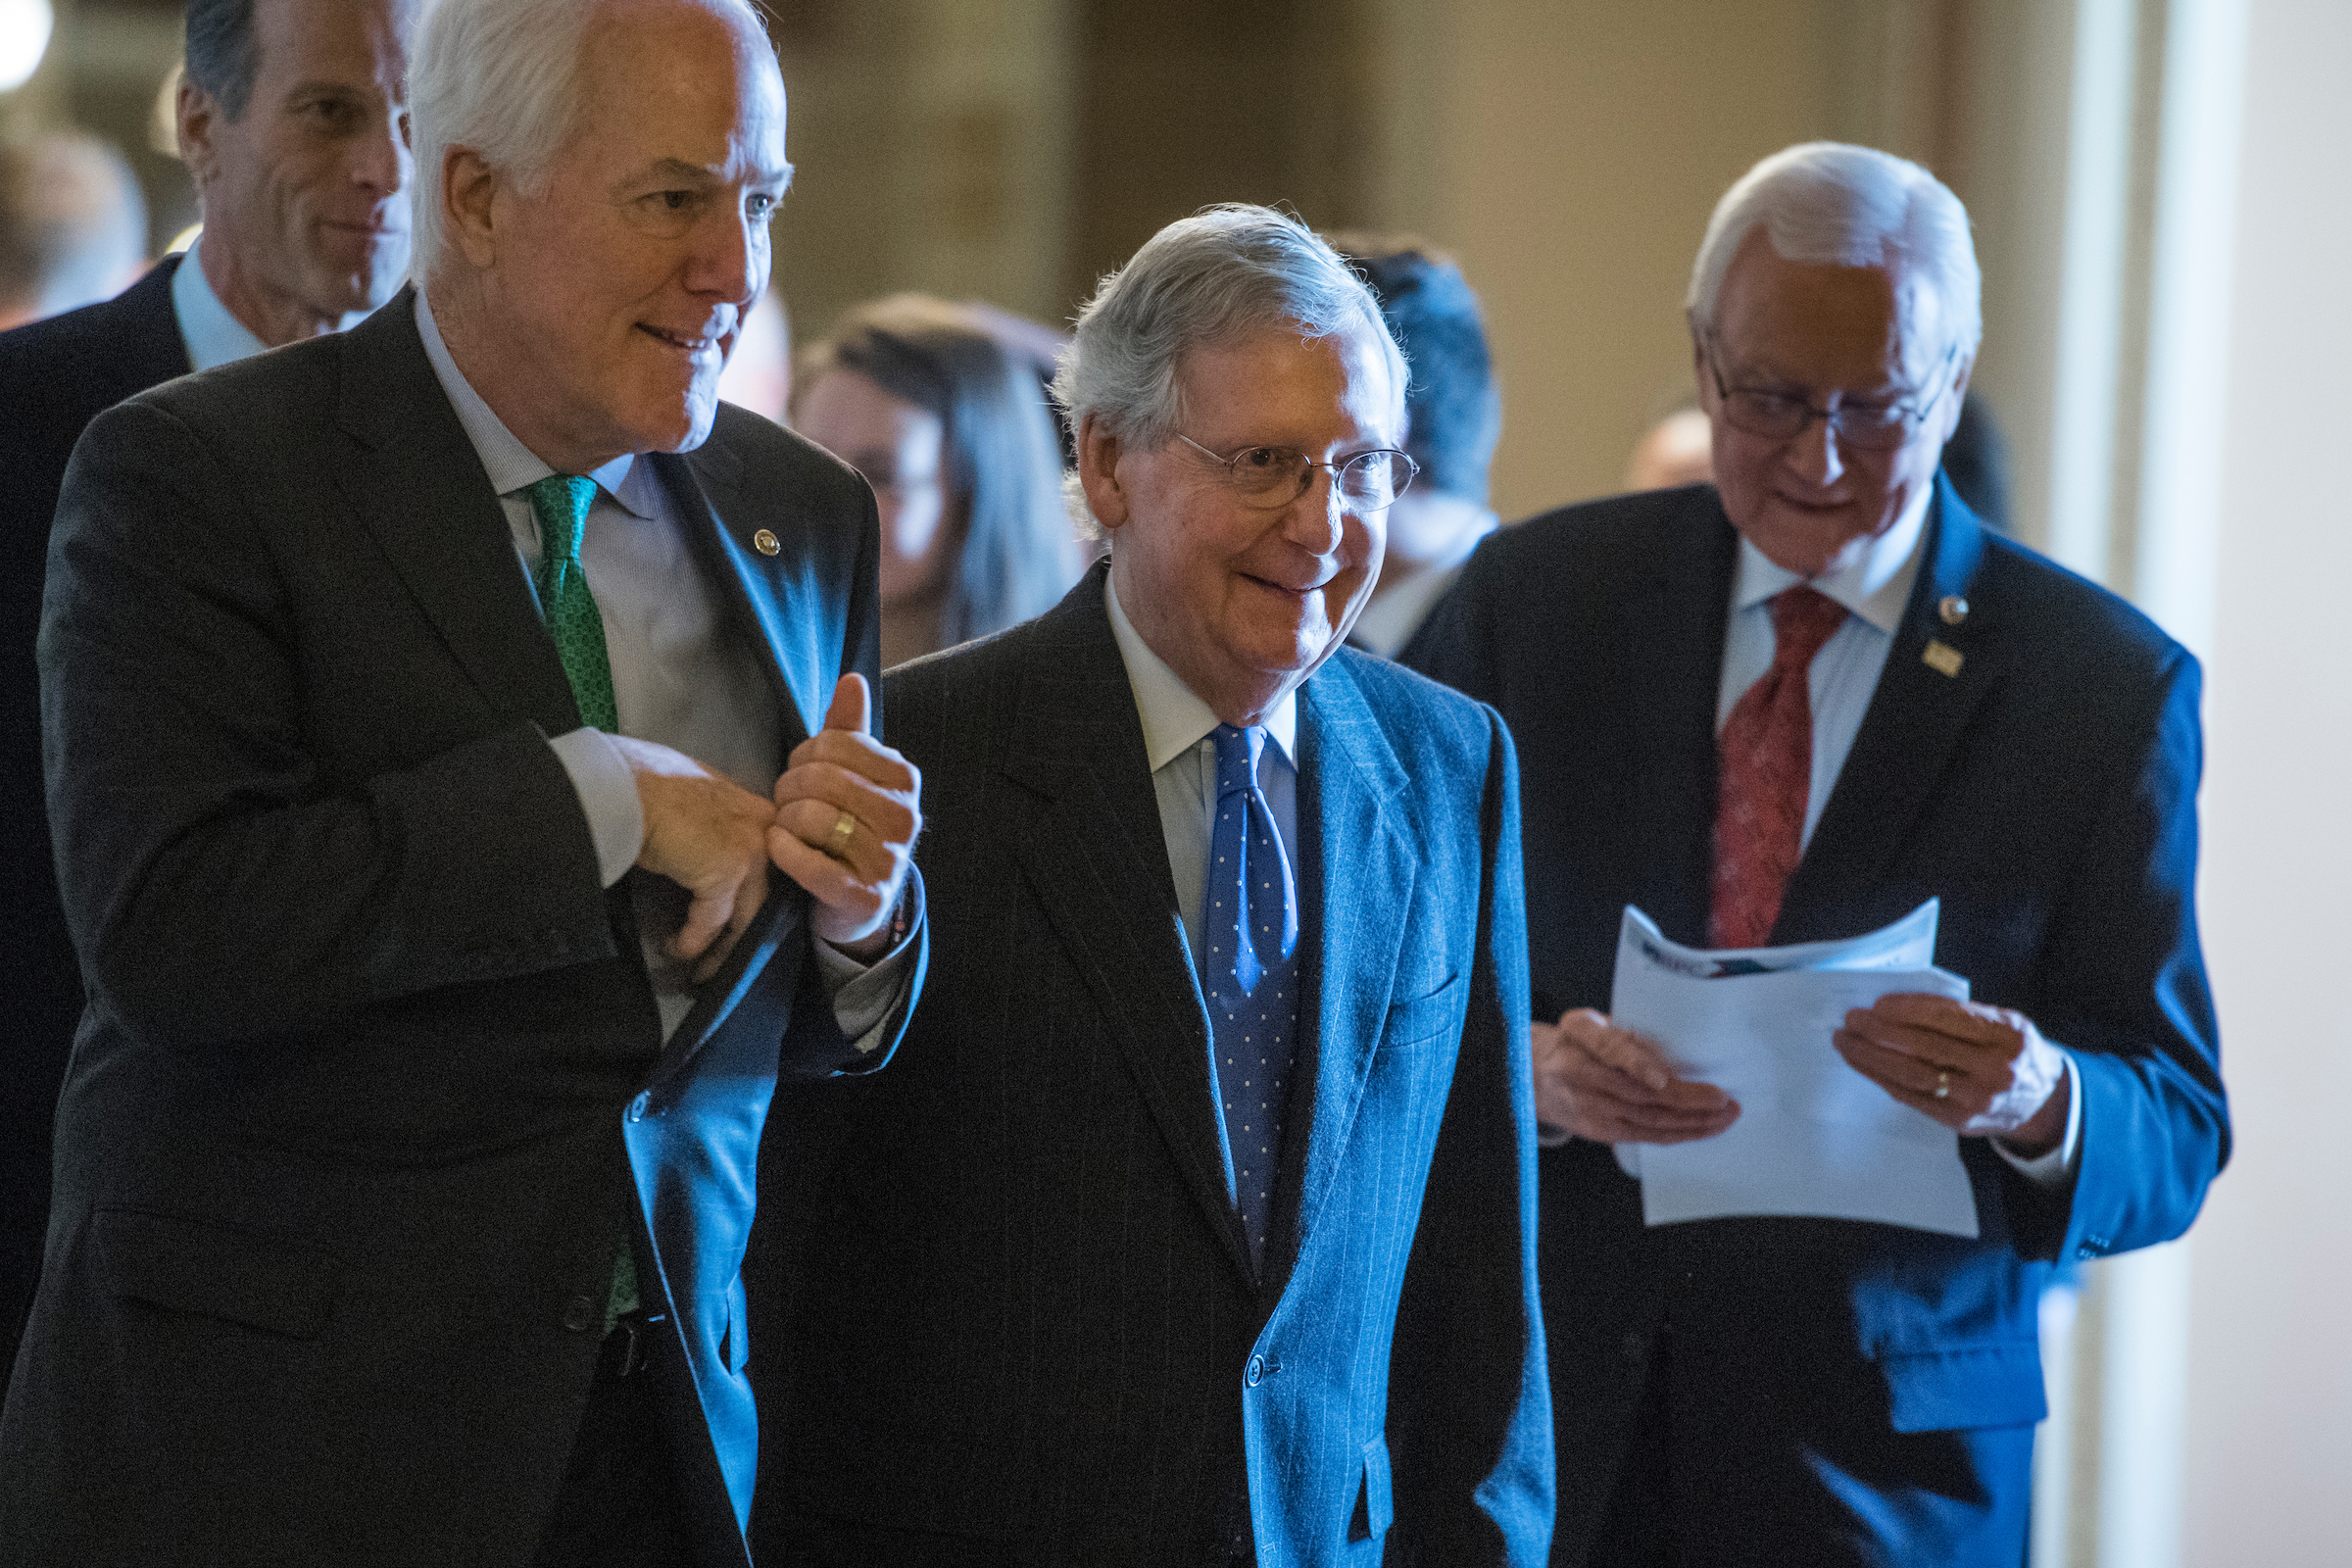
{"x":694,"y":345}
{"x":1296,"y":595}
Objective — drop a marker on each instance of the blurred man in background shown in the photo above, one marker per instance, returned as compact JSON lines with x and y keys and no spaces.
{"x":1453,"y":411}
{"x":1789,"y":706}
{"x":73,"y":227}
{"x":1677,"y":450}
{"x":293,"y":118}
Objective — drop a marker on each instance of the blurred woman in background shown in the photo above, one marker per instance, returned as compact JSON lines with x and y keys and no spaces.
{"x":953,"y":435}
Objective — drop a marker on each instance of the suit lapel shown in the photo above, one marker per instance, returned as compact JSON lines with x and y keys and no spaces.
{"x":147,"y":329}
{"x":1091,"y":849}
{"x":782,"y":612}
{"x":1357,"y":870}
{"x":1915,"y":720}
{"x":1672,"y":640}
{"x":778,"y":600}
{"x":420,"y":491}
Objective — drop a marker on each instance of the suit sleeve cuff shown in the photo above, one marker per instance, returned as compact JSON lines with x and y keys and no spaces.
{"x":866,"y":996}
{"x":2056,"y":1169}
{"x":608,"y":795}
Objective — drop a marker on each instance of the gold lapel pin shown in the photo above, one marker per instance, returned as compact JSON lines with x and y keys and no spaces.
{"x":1954,"y":609}
{"x":765,"y":543}
{"x":1941,"y":657}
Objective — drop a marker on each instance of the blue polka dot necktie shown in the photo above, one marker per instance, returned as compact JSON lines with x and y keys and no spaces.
{"x":1249,"y":930}
{"x":561,"y":501}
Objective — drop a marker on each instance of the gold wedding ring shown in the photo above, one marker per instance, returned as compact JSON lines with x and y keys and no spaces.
{"x":843,"y":826}
{"x":1943,"y":1084}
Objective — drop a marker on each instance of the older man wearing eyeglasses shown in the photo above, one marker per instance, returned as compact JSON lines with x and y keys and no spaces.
{"x":1792,"y":706}
{"x":1198,"y":1226}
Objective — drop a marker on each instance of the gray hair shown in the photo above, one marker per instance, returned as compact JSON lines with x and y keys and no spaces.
{"x":1201,"y":283}
{"x":222,"y":53}
{"x":503,"y":77}
{"x":1824,"y":203}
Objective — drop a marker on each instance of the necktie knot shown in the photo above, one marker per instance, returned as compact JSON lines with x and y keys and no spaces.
{"x":1237,"y":758}
{"x":1802,"y":620}
{"x":561,"y":503}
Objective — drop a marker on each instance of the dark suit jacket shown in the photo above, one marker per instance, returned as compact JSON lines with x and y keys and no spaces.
{"x":1025,"y":1316}
{"x":373,"y":1079}
{"x":55,"y":377}
{"x":2045,"y":793}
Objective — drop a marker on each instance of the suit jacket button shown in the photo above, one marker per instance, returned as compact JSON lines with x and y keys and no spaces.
{"x":1257,"y":1370}
{"x":1635,"y":1348}
{"x":765,"y":543}
{"x":637,"y":1107}
{"x":579,"y":1314}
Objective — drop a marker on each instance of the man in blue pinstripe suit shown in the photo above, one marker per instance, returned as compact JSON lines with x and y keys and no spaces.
{"x":1196,"y":1225}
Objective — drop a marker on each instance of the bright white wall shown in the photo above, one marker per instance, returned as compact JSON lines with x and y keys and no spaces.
{"x":2269,"y":1428}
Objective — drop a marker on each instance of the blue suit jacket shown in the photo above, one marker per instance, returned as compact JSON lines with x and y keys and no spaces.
{"x":2045,"y":792}
{"x":1025,"y":1320}
{"x":373,"y":1079}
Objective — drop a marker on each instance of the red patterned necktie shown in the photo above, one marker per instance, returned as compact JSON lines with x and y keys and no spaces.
{"x":1766,"y":752}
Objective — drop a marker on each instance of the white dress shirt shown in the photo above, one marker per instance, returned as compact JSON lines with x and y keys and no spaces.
{"x":212,"y":336}
{"x":679,"y":678}
{"x":1874,"y":585}
{"x":1182,"y":754}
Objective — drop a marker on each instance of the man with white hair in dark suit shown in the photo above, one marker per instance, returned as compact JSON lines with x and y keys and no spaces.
{"x":427,"y":705}
{"x":1789,"y":706}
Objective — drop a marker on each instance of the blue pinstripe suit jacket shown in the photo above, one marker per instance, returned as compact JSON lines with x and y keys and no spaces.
{"x":1025,"y":1318}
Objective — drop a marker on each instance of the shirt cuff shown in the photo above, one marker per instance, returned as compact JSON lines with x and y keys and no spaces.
{"x":607,"y":793}
{"x":2057,"y":1167}
{"x":866,"y":996}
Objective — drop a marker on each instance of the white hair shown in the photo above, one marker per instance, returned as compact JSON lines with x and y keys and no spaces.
{"x":1201,"y":283}
{"x":503,"y":77}
{"x":1824,"y":203}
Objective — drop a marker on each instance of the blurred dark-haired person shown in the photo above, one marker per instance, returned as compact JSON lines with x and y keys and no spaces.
{"x":1792,"y":706}
{"x":73,"y":227}
{"x":1453,"y":419}
{"x":293,"y":121}
{"x":952,"y":431}
{"x":1976,"y":462}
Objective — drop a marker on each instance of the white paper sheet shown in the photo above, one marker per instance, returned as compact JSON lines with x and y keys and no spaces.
{"x":1814,"y":1137}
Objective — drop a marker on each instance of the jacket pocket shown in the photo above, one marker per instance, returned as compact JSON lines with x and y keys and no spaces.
{"x":1973,"y":1386}
{"x":1424,"y":1017}
{"x":1376,"y":1504}
{"x":265,"y":1282}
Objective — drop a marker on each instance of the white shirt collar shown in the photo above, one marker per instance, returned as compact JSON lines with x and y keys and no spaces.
{"x":1875,"y":584}
{"x":511,"y":465}
{"x":1175,"y":719}
{"x":213,"y":335}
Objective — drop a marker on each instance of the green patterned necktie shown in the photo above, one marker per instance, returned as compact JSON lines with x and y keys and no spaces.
{"x":560,"y":501}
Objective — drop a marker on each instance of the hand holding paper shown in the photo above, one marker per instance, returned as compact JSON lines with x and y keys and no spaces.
{"x":1613,"y":1086}
{"x":1997,"y":1075}
{"x":1815,"y":1135}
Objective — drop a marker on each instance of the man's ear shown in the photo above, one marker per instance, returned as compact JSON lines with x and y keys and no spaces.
{"x":194,"y":118}
{"x":469,"y":190}
{"x":1098,"y":453}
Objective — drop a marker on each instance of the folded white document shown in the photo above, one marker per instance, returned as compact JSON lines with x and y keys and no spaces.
{"x":1814,"y":1137}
